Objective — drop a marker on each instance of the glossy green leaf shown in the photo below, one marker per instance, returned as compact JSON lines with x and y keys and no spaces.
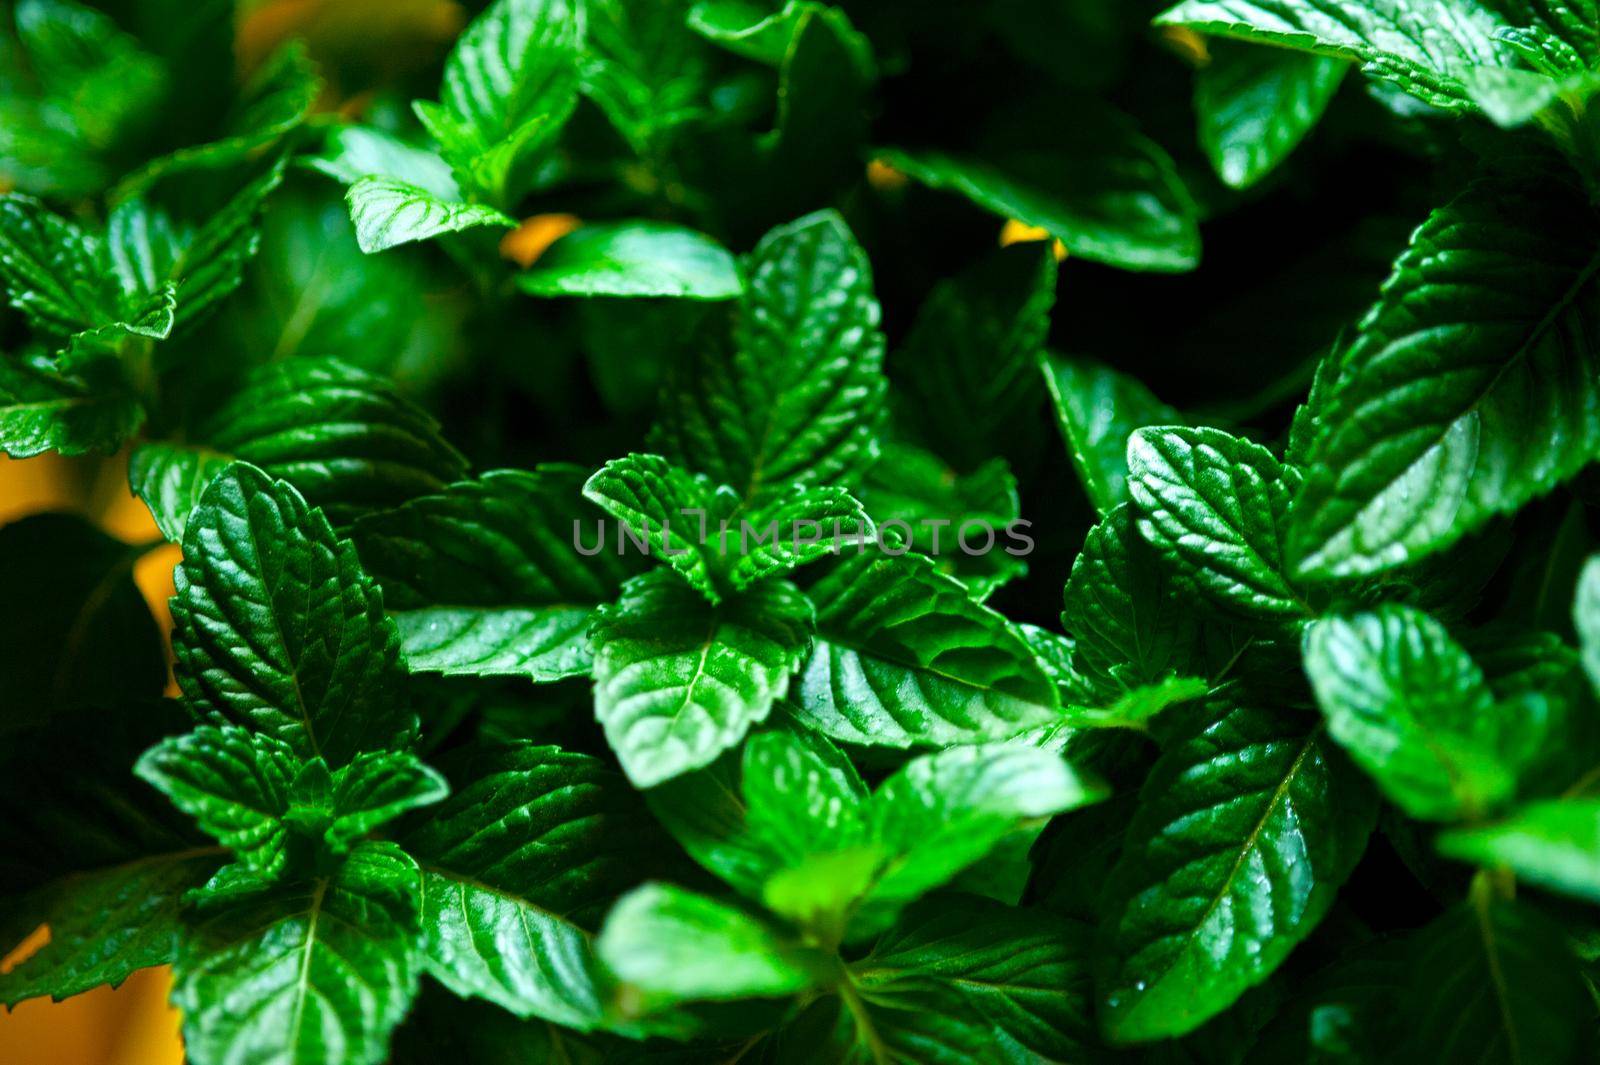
{"x":634,"y":259}
{"x":1125,"y":610}
{"x":672,"y":945}
{"x":1511,"y":959}
{"x":1467,"y":392}
{"x":789,"y":531}
{"x":798,"y":396}
{"x":1554,"y":844}
{"x":276,"y":628}
{"x":500,"y":916}
{"x":679,"y":680}
{"x":915,"y":494}
{"x":1453,"y":60}
{"x":905,"y":657}
{"x":944,"y":811}
{"x":496,"y":575}
{"x":1586,"y":618}
{"x":1255,"y":105}
{"x":277,"y":99}
{"x":374,"y":789}
{"x":1414,"y":711}
{"x":651,"y":498}
{"x":1218,"y":505}
{"x":43,"y":410}
{"x":1024,"y":971}
{"x":510,"y":81}
{"x":234,"y":783}
{"x":387,"y":211}
{"x":1242,"y":837}
{"x":315,"y":973}
{"x":170,"y":478}
{"x":345,"y":438}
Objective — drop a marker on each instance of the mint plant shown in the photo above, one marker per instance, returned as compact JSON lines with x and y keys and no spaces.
{"x":741,"y":531}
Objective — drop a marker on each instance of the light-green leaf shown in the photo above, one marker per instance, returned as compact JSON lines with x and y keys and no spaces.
{"x":43,"y":410}
{"x":387,"y":211}
{"x":1586,"y":618}
{"x":1414,"y":711}
{"x":1243,"y":836}
{"x":673,"y":945}
{"x":276,"y":628}
{"x":634,"y":259}
{"x":679,"y":680}
{"x":306,"y":975}
{"x":651,"y":498}
{"x":1555,"y":844}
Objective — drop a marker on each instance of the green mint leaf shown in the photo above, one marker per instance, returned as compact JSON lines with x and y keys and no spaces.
{"x":509,"y":85}
{"x":42,"y":410}
{"x":1121,"y":204}
{"x":504,"y":921}
{"x":671,"y":945}
{"x":51,"y":269}
{"x":487,"y":577}
{"x":756,"y":32}
{"x":1456,"y":63}
{"x":789,"y":531}
{"x":374,"y":789}
{"x":971,"y":361}
{"x":652,"y":498}
{"x":1256,"y":104}
{"x":1097,"y":409}
{"x":96,"y":90}
{"x":345,"y":438}
{"x":944,"y":811}
{"x":105,"y":925}
{"x":234,"y":783}
{"x":1432,"y":426}
{"x":797,"y":398}
{"x":905,"y":657}
{"x":1218,"y":505}
{"x":276,"y":628}
{"x":313,"y":973}
{"x":679,"y":680}
{"x":1414,"y":711}
{"x":1555,"y":844}
{"x":387,"y":211}
{"x":1242,"y":837}
{"x":170,"y":478}
{"x":87,"y":850}
{"x":634,"y":259}
{"x":354,"y":152}
{"x":643,"y":70}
